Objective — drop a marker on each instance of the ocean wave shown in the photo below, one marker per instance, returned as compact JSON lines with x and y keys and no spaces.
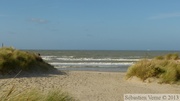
{"x":48,"y":57}
{"x":91,"y":64}
{"x":72,"y":58}
{"x":92,"y":59}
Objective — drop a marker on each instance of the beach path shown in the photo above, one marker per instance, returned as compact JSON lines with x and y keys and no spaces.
{"x":94,"y":86}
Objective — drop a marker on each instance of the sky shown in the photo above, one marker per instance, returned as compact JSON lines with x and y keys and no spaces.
{"x":90,"y":24}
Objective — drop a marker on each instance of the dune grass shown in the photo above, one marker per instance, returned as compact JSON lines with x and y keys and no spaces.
{"x":34,"y":95}
{"x":12,"y":61}
{"x":166,"y":68}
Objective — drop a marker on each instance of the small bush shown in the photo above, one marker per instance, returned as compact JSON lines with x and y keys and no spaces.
{"x":167,"y":69}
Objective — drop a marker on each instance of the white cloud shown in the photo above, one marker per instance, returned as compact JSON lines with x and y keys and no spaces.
{"x":165,"y":16}
{"x":37,"y":20}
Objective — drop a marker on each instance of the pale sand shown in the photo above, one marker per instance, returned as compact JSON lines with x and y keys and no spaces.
{"x":92,"y":86}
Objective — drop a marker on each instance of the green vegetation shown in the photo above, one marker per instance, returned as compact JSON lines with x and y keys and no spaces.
{"x":166,"y":68}
{"x":13,"y":61}
{"x":168,"y":57}
{"x":34,"y":95}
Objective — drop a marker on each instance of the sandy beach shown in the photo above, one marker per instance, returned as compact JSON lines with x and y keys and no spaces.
{"x":90,"y":86}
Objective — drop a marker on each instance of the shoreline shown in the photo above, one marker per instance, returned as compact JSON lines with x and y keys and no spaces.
{"x":99,"y":69}
{"x":91,"y":85}
{"x":67,"y":71}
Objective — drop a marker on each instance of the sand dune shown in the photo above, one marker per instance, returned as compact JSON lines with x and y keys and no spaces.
{"x":91,"y":86}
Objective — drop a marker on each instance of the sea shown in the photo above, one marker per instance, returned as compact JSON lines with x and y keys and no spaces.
{"x":96,"y":60}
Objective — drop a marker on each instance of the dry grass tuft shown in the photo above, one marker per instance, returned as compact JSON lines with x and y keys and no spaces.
{"x":34,"y":95}
{"x":166,"y":68}
{"x":13,"y":61}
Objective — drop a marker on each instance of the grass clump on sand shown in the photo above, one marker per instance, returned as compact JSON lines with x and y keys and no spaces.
{"x":168,"y":57}
{"x":13,"y":61}
{"x":166,"y":68}
{"x":35,"y":95}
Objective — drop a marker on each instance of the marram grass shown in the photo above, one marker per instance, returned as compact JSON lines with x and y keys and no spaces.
{"x":13,"y":60}
{"x":34,"y":95}
{"x":166,"y":68}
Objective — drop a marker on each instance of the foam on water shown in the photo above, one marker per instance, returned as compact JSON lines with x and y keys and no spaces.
{"x":71,"y":58}
{"x":104,"y":60}
{"x":48,"y":57}
{"x":90,"y":64}
{"x":92,"y":59}
{"x":71,"y":61}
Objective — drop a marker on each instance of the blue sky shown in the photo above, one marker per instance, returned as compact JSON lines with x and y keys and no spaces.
{"x":90,"y":24}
